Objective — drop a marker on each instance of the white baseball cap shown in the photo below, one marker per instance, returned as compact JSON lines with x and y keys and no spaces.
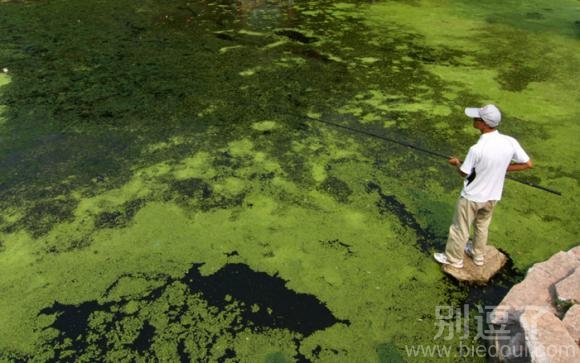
{"x":489,"y":114}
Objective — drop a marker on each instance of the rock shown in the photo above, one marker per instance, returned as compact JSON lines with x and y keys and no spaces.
{"x":547,"y":340}
{"x":572,"y":323}
{"x":559,"y":265}
{"x":575,"y":251}
{"x":494,"y":261}
{"x":531,"y":307}
{"x":534,"y":290}
{"x":568,"y":289}
{"x":538,"y":288}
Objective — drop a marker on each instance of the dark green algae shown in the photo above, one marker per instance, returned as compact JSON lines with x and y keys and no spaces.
{"x":145,"y":143}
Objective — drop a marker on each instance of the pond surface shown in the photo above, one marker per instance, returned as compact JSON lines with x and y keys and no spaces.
{"x":259,"y":181}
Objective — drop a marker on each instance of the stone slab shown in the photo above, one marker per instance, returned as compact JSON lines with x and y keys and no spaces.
{"x":494,"y":261}
{"x":568,"y":289}
{"x":538,"y":288}
{"x":534,"y":290}
{"x":547,"y":340}
{"x":572,"y":322}
{"x":575,"y":251}
{"x":559,"y":265}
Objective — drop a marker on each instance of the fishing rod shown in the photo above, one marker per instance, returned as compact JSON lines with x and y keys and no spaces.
{"x":426,"y":151}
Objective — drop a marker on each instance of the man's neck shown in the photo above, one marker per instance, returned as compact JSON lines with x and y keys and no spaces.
{"x":487,"y":130}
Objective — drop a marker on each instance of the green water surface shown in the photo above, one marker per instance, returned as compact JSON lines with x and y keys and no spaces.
{"x":138,"y":139}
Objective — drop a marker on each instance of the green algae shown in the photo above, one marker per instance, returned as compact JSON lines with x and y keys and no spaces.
{"x":173,"y":142}
{"x":265,"y":125}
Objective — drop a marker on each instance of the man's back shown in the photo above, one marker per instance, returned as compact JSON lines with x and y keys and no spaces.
{"x":486,"y":165}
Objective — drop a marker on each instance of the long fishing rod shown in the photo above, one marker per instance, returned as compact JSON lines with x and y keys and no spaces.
{"x":426,"y":151}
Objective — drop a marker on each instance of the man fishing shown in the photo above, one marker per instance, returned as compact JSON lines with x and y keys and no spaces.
{"x":484,"y":170}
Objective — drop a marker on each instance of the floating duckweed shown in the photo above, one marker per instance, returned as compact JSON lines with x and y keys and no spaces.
{"x":368,"y":60}
{"x":241,"y":148}
{"x":264,"y":125}
{"x":227,"y":49}
{"x":4,"y":78}
{"x":250,"y":72}
{"x":182,"y":172}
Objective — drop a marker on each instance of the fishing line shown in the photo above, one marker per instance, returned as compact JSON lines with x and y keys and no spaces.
{"x":423,"y":150}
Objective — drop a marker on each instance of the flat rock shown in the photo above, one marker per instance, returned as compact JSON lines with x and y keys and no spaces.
{"x":568,"y":289}
{"x":538,"y":288}
{"x":559,"y":265}
{"x":547,"y":340}
{"x":575,"y":251}
{"x":494,"y":261}
{"x":534,"y":290}
{"x":572,"y":323}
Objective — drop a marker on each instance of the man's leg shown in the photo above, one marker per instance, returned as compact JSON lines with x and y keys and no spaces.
{"x":480,"y":228}
{"x":459,"y":230}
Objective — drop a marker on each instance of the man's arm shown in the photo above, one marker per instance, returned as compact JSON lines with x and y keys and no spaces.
{"x":520,"y":166}
{"x":457,"y":164}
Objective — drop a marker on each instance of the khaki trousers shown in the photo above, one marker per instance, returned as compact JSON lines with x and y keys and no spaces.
{"x":468,"y":213}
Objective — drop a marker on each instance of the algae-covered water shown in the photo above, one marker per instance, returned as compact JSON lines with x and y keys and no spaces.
{"x":172,"y":187}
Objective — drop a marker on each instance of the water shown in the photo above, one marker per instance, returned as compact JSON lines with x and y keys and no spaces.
{"x":168,"y":193}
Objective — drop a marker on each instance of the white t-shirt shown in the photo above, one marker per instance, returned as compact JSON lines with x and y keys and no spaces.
{"x":486,"y":166}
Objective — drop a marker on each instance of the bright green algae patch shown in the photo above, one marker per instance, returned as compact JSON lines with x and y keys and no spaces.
{"x":278,"y":228}
{"x":526,"y":68}
{"x":178,"y":146}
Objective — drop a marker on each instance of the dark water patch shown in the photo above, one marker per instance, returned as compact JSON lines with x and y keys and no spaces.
{"x":226,"y":159}
{"x":41,"y":174}
{"x":192,"y":188}
{"x":517,"y":77}
{"x":389,"y":205}
{"x":278,"y":306}
{"x":248,"y":299}
{"x":113,"y":87}
{"x":145,"y":338}
{"x":40,"y":217}
{"x":224,"y":36}
{"x":299,"y":357}
{"x":337,"y":188}
{"x":197,"y":194}
{"x":184,"y":356}
{"x":263,"y":176}
{"x":109,"y":220}
{"x":318,"y":349}
{"x":72,"y":322}
{"x":497,"y":288}
{"x":296,"y":36}
{"x":119,"y":218}
{"x":228,"y":354}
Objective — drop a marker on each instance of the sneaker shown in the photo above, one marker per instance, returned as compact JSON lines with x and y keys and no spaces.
{"x":442,"y":258}
{"x":470,"y":252}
